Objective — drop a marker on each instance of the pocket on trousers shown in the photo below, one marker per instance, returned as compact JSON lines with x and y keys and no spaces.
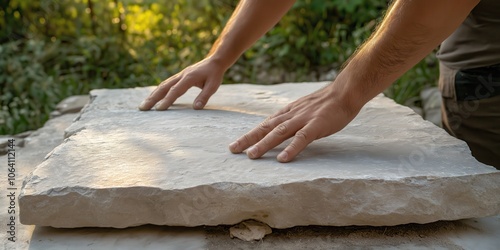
{"x":446,"y":82}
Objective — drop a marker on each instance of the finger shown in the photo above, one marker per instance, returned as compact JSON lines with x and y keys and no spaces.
{"x":256,"y":134}
{"x":278,"y":135}
{"x":158,"y":93}
{"x":282,"y":111}
{"x":206,"y":92}
{"x":302,"y":138}
{"x":260,"y":131}
{"x":173,"y":93}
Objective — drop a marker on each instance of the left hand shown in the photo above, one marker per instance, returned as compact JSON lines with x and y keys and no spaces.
{"x":311,"y":117}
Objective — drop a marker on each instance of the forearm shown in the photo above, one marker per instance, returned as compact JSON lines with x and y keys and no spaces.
{"x":250,"y":21}
{"x":410,"y":31}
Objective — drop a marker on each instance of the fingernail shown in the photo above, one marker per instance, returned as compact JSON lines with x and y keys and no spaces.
{"x":198,"y":105}
{"x":233,"y":146}
{"x":252,"y":152}
{"x":283,"y":156}
{"x":142,"y":104}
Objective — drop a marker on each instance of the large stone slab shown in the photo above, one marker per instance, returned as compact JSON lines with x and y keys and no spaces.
{"x":120,"y":167}
{"x":463,"y":234}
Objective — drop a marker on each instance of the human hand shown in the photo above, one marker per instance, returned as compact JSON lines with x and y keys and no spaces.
{"x":311,"y":117}
{"x":206,"y":75}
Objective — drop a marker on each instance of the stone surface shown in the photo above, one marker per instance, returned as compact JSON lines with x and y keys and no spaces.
{"x":24,"y":134}
{"x":72,"y":104}
{"x":120,"y":167}
{"x":479,"y":233}
{"x":19,"y":141}
{"x":4,"y":141}
{"x":431,"y":102}
{"x":37,"y":145}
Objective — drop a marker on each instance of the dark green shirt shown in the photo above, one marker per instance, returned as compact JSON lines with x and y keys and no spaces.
{"x":476,"y":43}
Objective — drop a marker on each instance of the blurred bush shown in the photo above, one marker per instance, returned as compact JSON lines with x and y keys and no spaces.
{"x":51,"y":49}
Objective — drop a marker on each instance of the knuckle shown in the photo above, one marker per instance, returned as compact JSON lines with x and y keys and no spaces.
{"x":293,"y":147}
{"x":165,"y":83}
{"x":248,"y":139}
{"x":287,"y":108}
{"x":302,"y":135}
{"x":281,"y":130}
{"x":162,"y":84}
{"x":188,"y":77}
{"x":174,"y":90}
{"x":265,"y":125}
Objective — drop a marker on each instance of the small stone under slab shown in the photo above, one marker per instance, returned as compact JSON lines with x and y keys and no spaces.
{"x":120,"y":167}
{"x":250,"y":230}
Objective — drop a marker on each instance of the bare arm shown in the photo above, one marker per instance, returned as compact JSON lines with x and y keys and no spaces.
{"x":250,"y":21}
{"x":411,"y":29}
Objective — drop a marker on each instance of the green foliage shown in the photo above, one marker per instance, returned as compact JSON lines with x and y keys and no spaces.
{"x":37,"y":74}
{"x":408,"y":87}
{"x":318,"y":33}
{"x":51,"y":49}
{"x":54,"y":49}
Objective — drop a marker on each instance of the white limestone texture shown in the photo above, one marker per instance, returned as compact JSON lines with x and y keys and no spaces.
{"x":120,"y":167}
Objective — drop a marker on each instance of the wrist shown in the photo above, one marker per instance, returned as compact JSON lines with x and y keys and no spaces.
{"x":348,"y":92}
{"x":222,"y":62}
{"x":219,"y":62}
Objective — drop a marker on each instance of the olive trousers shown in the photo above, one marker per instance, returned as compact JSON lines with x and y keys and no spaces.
{"x":472,"y":114}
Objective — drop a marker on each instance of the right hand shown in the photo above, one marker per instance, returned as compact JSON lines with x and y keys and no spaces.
{"x":206,"y":75}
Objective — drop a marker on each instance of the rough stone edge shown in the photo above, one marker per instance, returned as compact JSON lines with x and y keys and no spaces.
{"x":439,"y":198}
{"x":75,"y":127}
